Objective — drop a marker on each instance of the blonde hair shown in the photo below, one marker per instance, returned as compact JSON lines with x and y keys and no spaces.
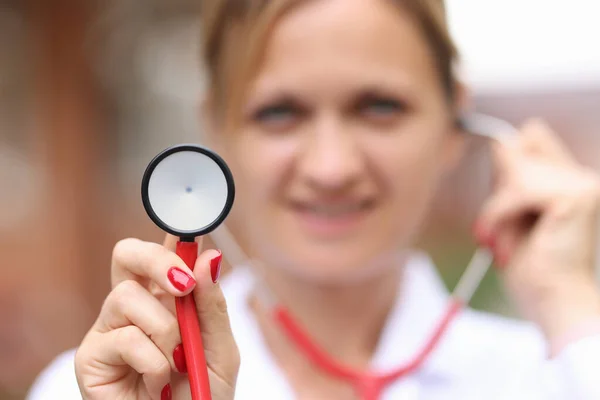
{"x":234,"y":33}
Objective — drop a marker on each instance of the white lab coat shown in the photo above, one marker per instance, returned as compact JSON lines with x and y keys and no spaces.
{"x":482,"y":356}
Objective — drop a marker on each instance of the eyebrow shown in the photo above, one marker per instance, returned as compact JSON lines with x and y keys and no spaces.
{"x":263,"y":99}
{"x":267,"y":90}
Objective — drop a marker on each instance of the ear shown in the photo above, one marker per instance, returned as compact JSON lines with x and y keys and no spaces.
{"x":463,"y":100}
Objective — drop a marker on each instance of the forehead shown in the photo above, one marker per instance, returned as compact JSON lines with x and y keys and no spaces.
{"x":332,"y":40}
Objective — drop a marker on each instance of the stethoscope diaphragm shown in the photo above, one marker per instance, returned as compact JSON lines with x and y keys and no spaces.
{"x":188,"y":190}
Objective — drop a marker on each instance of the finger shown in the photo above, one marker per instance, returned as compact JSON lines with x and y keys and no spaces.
{"x":508,"y":208}
{"x":510,"y":236}
{"x":505,"y":222}
{"x":536,"y":140}
{"x":141,"y":261}
{"x":507,"y":158}
{"x":169,"y":243}
{"x":130,"y":304}
{"x":222,"y":354}
{"x":129,"y":346}
{"x":539,"y":139}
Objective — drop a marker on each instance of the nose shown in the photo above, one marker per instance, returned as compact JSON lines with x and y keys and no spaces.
{"x":331,"y":158}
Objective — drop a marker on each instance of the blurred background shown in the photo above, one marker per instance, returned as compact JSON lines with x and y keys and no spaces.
{"x":91,"y":90}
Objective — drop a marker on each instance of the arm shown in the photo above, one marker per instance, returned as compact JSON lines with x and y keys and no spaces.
{"x":541,"y":223}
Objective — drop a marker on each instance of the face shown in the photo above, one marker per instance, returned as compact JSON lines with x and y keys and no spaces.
{"x":345,"y":135}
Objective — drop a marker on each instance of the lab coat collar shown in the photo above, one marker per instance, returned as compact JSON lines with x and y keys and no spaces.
{"x":419,"y":307}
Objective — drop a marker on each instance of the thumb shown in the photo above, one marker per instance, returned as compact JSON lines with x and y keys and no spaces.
{"x":222,"y":356}
{"x":539,"y":139}
{"x":507,"y":157}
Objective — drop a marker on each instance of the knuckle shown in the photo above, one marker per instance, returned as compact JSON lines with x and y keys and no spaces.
{"x":159,"y":368}
{"x":123,"y":247}
{"x":592,"y":186}
{"x":162,"y":257}
{"x":122,"y":294}
{"x":168,"y":329}
{"x":81,"y":357}
{"x":129,"y":336}
{"x":587,"y":191}
{"x":221,"y":305}
{"x":83,"y":362}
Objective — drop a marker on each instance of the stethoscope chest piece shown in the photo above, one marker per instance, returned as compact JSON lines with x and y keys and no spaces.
{"x":188,"y":190}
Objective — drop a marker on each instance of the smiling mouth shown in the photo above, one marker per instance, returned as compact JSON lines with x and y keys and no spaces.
{"x":332,"y":218}
{"x":334,"y":210}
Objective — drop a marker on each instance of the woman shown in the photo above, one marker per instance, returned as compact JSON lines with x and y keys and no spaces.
{"x":324,"y":110}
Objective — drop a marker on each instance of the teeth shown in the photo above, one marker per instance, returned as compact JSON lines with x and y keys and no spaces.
{"x":335,"y":210}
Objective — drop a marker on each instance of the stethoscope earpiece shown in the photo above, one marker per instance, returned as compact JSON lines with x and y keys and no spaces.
{"x":486,"y":126}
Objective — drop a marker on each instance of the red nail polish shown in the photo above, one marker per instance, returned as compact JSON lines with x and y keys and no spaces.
{"x":166,"y":393}
{"x":491,"y":242}
{"x":179,"y":358}
{"x":478,"y":232}
{"x":180,"y":279}
{"x":482,"y":235}
{"x":215,"y":267}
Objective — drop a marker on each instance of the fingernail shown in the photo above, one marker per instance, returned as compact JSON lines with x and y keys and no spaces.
{"x":180,"y":279}
{"x":482,"y":235}
{"x":166,"y":393}
{"x":179,"y":358}
{"x":215,"y":267}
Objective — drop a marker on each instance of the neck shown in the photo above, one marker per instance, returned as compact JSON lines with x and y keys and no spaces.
{"x":346,"y":321}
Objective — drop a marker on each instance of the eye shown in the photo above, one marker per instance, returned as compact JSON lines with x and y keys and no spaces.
{"x":274,"y":113}
{"x":278,"y":116}
{"x":380,"y":108}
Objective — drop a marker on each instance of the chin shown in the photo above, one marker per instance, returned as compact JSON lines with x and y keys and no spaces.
{"x":338,"y":263}
{"x":357,"y":252}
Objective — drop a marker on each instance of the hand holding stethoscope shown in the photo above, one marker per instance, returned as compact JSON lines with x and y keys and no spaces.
{"x":144,"y":344}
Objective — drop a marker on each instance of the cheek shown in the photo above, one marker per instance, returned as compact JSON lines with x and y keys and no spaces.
{"x":411,"y":170}
{"x":260,"y":167}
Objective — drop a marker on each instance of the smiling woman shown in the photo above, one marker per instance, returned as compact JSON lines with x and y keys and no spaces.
{"x":338,"y":120}
{"x":331,"y":133}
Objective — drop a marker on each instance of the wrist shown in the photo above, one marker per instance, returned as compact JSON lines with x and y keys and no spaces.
{"x":568,"y":310}
{"x":586,"y":329}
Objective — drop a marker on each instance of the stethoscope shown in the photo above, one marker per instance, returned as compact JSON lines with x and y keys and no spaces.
{"x":188,"y":191}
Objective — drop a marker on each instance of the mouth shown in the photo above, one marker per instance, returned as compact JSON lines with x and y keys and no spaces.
{"x":332,"y":218}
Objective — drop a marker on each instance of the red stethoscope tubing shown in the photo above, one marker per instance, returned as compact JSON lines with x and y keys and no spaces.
{"x":369,"y":385}
{"x":189,"y":327}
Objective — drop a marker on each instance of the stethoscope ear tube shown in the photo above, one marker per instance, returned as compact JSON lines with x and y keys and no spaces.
{"x":488,"y":127}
